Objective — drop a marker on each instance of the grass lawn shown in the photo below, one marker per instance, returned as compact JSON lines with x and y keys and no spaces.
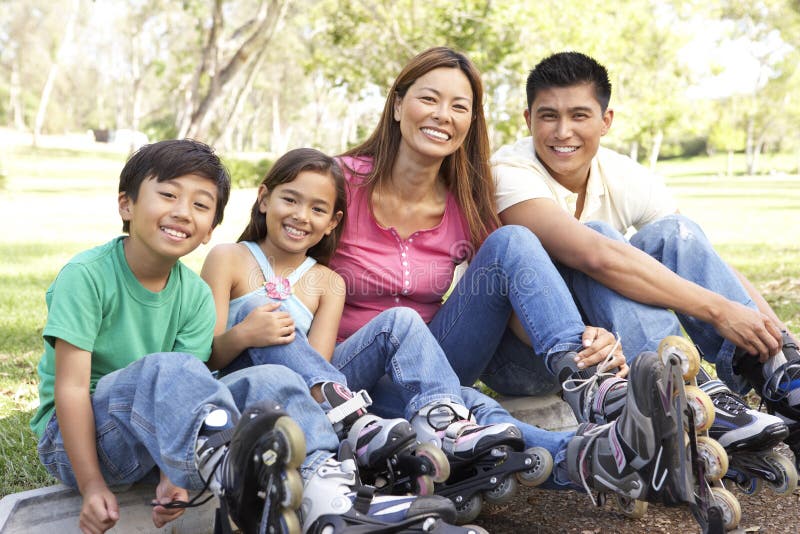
{"x":57,"y":202}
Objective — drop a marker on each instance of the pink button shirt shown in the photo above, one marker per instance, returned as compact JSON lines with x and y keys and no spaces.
{"x":381,"y":270}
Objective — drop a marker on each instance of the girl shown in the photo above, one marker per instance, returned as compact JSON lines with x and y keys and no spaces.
{"x":278,"y":303}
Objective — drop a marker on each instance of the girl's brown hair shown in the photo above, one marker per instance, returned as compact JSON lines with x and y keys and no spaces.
{"x":285,"y":170}
{"x":466,"y":172}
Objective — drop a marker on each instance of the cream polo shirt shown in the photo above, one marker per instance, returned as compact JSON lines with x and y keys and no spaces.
{"x":619,"y":192}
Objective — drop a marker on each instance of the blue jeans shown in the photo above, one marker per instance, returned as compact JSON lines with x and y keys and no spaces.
{"x":396,"y":343}
{"x":148,"y":415}
{"x":681,"y":246}
{"x":510,"y":272}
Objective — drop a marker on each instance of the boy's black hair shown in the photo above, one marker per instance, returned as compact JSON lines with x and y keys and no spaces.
{"x":565,"y":69}
{"x":167,"y":160}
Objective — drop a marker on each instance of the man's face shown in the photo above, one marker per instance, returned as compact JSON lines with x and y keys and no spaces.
{"x":566,"y":124}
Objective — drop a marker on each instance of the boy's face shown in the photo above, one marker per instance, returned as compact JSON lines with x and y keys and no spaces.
{"x":566,"y":124}
{"x":171,"y":218}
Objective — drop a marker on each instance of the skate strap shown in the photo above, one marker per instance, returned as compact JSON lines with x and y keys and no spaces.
{"x":363,"y":498}
{"x":358,"y":401}
{"x":216,"y":440}
{"x":454,"y":431}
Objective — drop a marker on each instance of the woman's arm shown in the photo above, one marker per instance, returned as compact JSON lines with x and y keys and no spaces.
{"x":325,"y":326}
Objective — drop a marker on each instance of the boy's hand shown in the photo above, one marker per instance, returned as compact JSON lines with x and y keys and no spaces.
{"x":167,"y":492}
{"x":99,"y":511}
{"x":750,"y":330}
{"x":265,"y":326}
{"x":598,"y":343}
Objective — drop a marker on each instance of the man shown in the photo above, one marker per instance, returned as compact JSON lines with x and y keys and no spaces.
{"x":560,"y":176}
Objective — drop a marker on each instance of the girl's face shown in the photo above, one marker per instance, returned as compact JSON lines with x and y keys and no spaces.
{"x":301,"y":212}
{"x":435,"y":114}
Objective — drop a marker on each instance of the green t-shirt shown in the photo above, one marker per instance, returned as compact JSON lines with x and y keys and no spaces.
{"x":97,"y":304}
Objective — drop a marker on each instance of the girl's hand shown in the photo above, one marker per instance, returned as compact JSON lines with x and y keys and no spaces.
{"x":99,"y":511}
{"x":598,"y":344}
{"x":266,"y":325}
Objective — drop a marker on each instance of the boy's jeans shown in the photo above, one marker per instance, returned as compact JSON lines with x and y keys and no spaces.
{"x":148,"y":415}
{"x":396,"y":343}
{"x":681,"y":246}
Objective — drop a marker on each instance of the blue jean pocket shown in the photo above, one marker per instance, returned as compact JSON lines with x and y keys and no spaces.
{"x":118,"y":456}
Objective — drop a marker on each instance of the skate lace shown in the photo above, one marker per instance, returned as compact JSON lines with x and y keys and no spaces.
{"x":453,"y":416}
{"x":591,"y":433}
{"x":729,"y":402}
{"x":195,"y":501}
{"x":572,"y":385}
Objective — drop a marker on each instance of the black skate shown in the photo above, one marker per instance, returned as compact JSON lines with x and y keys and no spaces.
{"x":482,"y":458}
{"x":386,"y":450}
{"x":254,"y":467}
{"x":749,"y":437}
{"x":335,"y":501}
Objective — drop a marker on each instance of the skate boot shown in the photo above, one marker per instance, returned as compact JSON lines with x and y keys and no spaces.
{"x":749,"y":437}
{"x":594,"y":394}
{"x":386,"y":450}
{"x":335,"y":501}
{"x":482,"y":458}
{"x":251,"y":468}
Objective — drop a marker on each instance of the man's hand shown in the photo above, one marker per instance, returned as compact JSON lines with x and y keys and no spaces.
{"x":167,"y":492}
{"x":598,"y":344}
{"x":750,"y":330}
{"x":100,"y":510}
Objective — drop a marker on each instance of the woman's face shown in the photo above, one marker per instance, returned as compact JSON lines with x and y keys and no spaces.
{"x":435,"y":114}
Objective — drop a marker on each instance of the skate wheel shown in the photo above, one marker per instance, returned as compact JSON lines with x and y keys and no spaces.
{"x":437,"y":457}
{"x":686,"y":352}
{"x":786,"y":479}
{"x":702,"y":407}
{"x":289,"y":522}
{"x":503,"y":493}
{"x":749,"y":487}
{"x":475,"y":529}
{"x":295,"y":441}
{"x":714,"y":458}
{"x":731,"y":510}
{"x":541,"y":467}
{"x":468,"y":509}
{"x":633,"y":508}
{"x":292,"y":490}
{"x":423,"y":485}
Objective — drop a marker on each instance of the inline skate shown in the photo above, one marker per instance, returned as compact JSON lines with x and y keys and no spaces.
{"x":749,"y":438}
{"x":386,"y":450}
{"x":335,"y":501}
{"x":482,"y":458}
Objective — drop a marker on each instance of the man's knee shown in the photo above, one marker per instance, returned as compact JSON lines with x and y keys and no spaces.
{"x":605,"y":229}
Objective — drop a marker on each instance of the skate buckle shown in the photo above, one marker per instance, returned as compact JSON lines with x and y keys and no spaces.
{"x":358,"y":401}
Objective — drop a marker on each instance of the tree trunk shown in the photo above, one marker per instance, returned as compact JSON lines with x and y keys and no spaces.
{"x":634,"y":153}
{"x":53,"y":73}
{"x":729,"y":170}
{"x":657,"y":140}
{"x":15,"y":98}
{"x":270,"y":16}
{"x":241,"y":96}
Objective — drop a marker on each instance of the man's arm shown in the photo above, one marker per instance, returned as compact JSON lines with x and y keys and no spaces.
{"x":636,"y":275}
{"x":99,"y":511}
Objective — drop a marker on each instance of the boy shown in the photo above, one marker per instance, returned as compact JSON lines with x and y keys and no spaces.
{"x":109,"y":415}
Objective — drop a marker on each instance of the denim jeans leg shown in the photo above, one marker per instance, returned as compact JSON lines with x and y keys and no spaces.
{"x":488,"y":411}
{"x":641,"y":327}
{"x":514,"y":371}
{"x":298,"y":355}
{"x":148,"y":414}
{"x":288,"y":389}
{"x":510,"y":272}
{"x":680,"y":245}
{"x":397,"y":343}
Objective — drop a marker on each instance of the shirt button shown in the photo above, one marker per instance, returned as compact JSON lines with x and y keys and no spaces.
{"x":408,"y":282}
{"x":411,"y":240}
{"x":408,"y":272}
{"x":403,"y":254}
{"x":405,"y":264}
{"x":405,"y":292}
{"x":397,"y":299}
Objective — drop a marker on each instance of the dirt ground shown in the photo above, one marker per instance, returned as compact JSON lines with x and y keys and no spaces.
{"x":536,"y":511}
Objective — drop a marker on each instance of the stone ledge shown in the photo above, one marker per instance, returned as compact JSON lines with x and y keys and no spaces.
{"x":549,"y":412}
{"x":56,"y":509}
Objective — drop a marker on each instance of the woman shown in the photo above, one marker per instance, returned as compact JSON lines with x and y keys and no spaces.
{"x":420,"y":201}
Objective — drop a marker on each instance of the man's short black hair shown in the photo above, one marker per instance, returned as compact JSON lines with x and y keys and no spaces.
{"x":166,"y":160}
{"x":565,"y":69}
